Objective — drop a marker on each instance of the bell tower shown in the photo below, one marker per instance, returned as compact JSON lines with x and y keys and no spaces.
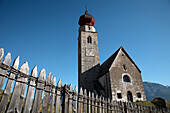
{"x":88,"y":54}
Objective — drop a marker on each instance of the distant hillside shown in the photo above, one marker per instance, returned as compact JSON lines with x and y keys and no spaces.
{"x":156,"y":90}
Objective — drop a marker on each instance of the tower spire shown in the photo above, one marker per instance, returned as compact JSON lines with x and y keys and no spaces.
{"x":86,"y":10}
{"x":88,"y":53}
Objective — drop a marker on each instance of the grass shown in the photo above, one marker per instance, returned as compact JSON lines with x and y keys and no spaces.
{"x":145,"y":103}
{"x":1,"y":93}
{"x":168,"y":104}
{"x":150,"y":104}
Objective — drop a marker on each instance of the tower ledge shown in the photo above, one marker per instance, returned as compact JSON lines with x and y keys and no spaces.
{"x":87,"y":28}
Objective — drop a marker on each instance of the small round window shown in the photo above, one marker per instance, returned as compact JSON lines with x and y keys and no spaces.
{"x":126,"y":78}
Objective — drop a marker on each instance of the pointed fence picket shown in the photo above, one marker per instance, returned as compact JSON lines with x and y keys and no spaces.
{"x":56,"y":99}
{"x":89,"y":102}
{"x":108,"y":105}
{"x":8,"y":87}
{"x":46,"y":99}
{"x":52,"y":95}
{"x":111,"y":106}
{"x":70,"y":99}
{"x":25,"y":70}
{"x":96,"y":101}
{"x":100,"y":107}
{"x":30,"y":91}
{"x":80,"y":101}
{"x":103,"y":107}
{"x":16,"y":98}
{"x":7,"y":61}
{"x":38,"y":92}
{"x":85,"y":101}
{"x":75,"y":100}
{"x":92,"y":103}
{"x":65,"y":99}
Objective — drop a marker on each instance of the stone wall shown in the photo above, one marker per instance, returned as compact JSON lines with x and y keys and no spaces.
{"x":124,"y":66}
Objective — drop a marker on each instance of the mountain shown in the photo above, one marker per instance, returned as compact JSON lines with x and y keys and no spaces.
{"x":156,"y":90}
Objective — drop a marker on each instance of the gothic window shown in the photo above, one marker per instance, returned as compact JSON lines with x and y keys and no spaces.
{"x":124,"y":67}
{"x":119,"y":95}
{"x":139,"y":95}
{"x":89,"y":27}
{"x":89,"y":40}
{"x":126,"y":78}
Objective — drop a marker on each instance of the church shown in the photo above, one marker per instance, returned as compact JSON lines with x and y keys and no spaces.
{"x":118,"y":78}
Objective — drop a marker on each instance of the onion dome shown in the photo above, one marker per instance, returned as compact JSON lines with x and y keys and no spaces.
{"x":86,"y":19}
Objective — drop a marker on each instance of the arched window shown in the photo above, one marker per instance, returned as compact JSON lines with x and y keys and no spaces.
{"x":126,"y":78}
{"x":129,"y":96}
{"x":89,"y":40}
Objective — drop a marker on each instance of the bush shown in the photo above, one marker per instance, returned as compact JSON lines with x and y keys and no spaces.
{"x":160,"y":102}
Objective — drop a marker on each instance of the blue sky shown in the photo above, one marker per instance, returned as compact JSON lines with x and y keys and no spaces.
{"x":45,"y":32}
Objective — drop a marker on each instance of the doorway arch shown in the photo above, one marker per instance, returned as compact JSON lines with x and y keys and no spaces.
{"x":129,"y":96}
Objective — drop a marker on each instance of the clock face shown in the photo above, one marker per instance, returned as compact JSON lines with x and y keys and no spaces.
{"x":89,"y":52}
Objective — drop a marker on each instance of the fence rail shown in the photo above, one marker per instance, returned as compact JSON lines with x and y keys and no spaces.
{"x":43,"y":95}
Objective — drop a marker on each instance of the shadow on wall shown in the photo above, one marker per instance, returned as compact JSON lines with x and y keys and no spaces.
{"x":88,"y":78}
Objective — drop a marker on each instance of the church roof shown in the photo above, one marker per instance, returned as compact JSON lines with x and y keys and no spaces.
{"x":107,"y":64}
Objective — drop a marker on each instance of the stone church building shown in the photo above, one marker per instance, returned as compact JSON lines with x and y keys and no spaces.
{"x":118,"y":77}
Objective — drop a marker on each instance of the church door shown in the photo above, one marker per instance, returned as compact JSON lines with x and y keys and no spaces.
{"x":129,"y":96}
